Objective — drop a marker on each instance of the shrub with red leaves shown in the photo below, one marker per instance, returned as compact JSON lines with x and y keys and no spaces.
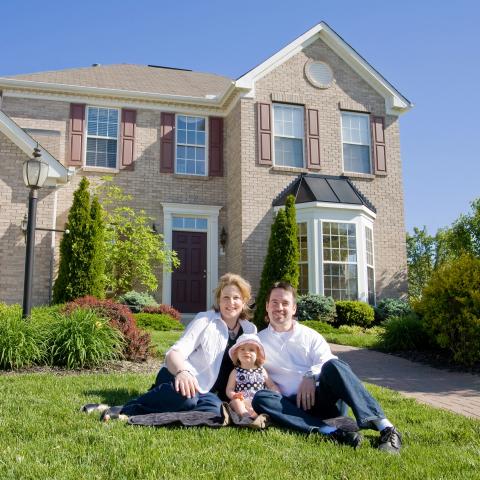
{"x":165,"y":309}
{"x":137,"y":343}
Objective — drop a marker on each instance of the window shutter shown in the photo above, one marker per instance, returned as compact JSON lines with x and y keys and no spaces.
{"x":313,"y":140}
{"x":167,"y":142}
{"x":77,"y":132}
{"x":264,"y":133}
{"x":378,"y":136}
{"x":127,"y":139}
{"x":215,"y":147}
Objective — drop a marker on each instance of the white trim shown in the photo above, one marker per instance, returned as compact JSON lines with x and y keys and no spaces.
{"x":395,"y":102}
{"x":57,"y":173}
{"x":210,"y":212}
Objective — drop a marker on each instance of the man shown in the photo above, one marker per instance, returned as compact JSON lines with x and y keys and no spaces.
{"x":313,"y":381}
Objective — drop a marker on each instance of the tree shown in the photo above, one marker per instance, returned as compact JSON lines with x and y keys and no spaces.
{"x":79,"y":258}
{"x":281,"y":261}
{"x":133,"y":250}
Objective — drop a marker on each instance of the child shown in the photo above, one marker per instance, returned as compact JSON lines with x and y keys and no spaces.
{"x":248,"y":377}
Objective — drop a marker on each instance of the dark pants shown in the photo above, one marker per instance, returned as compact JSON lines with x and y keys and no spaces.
{"x":337,"y":384}
{"x":163,"y":398}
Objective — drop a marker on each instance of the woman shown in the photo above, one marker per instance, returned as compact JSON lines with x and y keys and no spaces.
{"x":197,"y":366}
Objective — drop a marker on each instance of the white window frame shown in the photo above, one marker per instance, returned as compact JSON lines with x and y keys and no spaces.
{"x":192,"y":145}
{"x":296,"y":107}
{"x":369,"y":136}
{"x":370,"y":265}
{"x":87,"y":136}
{"x":304,"y":262}
{"x":210,"y":212}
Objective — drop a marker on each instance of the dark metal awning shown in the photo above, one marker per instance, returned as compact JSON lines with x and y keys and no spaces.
{"x":309,"y":187}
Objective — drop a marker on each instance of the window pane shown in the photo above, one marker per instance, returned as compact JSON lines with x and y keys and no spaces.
{"x":288,"y":152}
{"x":356,"y":158}
{"x":182,"y":136}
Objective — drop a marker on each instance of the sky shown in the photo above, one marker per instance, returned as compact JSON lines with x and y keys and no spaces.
{"x":429,"y":50}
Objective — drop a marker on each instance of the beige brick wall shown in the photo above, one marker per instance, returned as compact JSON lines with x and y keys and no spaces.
{"x":260,"y":184}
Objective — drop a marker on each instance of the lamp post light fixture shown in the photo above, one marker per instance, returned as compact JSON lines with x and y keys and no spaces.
{"x":35,"y":172}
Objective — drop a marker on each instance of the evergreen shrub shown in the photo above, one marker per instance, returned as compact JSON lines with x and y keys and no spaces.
{"x":450,"y":307}
{"x":165,"y":309}
{"x":315,"y":307}
{"x":136,"y":343}
{"x":391,"y":307}
{"x":158,"y":321}
{"x":406,"y":332}
{"x":352,"y":312}
{"x":136,"y":301}
{"x":319,"y":326}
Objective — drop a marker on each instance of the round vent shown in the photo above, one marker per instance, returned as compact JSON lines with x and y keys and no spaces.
{"x":319,"y":74}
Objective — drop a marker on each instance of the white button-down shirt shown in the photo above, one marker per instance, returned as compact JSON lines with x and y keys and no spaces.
{"x":203,"y":344}
{"x":290,"y":354}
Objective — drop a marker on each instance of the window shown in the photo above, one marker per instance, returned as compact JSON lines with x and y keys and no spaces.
{"x":303,"y":261}
{"x":189,"y":223}
{"x":356,"y":142}
{"x":191,"y":141}
{"x":340,"y":260}
{"x":288,"y":135}
{"x":370,"y":267}
{"x":102,"y":137}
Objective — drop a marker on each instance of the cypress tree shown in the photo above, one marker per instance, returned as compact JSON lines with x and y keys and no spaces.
{"x":73,"y":279}
{"x":97,"y":264}
{"x":281,"y":261}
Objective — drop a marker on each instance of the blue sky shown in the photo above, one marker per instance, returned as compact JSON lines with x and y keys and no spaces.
{"x":428,"y":49}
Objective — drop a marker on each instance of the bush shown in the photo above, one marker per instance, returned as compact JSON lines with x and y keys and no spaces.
{"x":165,"y":309}
{"x":350,"y":312}
{"x":404,"y":333}
{"x":450,"y":307}
{"x":315,"y":307}
{"x":82,"y":338}
{"x":21,"y":342}
{"x":319,"y":326}
{"x":158,"y":321}
{"x":391,"y":307}
{"x":137,"y":343}
{"x":136,"y":301}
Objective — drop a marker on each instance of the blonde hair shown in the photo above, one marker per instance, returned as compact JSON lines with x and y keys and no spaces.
{"x":245,"y":290}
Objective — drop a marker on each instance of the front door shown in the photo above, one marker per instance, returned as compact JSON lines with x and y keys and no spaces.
{"x":189,"y":281}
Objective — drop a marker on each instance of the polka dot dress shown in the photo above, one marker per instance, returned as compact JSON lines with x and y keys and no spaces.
{"x":249,"y":381}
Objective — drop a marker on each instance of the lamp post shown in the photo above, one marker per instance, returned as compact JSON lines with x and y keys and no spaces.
{"x":35,"y":172}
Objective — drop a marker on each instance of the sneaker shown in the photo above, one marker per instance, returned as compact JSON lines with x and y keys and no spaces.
{"x":260,"y":422}
{"x":113,"y":413}
{"x":390,"y":440}
{"x":94,"y":407}
{"x":225,"y":413}
{"x":352,"y":439}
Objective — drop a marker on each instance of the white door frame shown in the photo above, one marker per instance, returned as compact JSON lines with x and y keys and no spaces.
{"x":210,"y":212}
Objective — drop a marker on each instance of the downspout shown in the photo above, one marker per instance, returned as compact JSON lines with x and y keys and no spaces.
{"x":52,"y":244}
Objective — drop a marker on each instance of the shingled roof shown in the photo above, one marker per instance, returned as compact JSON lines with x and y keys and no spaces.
{"x":323,"y":188}
{"x":139,"y":78}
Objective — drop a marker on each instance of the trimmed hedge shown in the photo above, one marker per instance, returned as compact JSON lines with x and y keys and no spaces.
{"x":158,"y":321}
{"x":351,"y":312}
{"x":315,"y":307}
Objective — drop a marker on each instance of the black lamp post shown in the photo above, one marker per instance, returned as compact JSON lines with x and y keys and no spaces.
{"x":35,"y":172}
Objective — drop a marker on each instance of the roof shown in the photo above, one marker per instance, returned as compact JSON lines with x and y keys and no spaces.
{"x":309,"y":187}
{"x":139,"y":78}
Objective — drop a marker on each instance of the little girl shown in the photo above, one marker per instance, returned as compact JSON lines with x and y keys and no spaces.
{"x":248,"y":377}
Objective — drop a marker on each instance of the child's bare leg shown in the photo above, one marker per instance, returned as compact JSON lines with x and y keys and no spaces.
{"x":248,"y":406}
{"x":239,"y":407}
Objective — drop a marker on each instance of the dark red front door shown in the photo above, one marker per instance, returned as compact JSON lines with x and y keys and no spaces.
{"x":189,"y":281}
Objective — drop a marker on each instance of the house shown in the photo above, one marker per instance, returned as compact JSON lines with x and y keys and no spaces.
{"x":210,"y":159}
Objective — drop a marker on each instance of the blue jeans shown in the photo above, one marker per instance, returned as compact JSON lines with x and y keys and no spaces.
{"x":162,"y":397}
{"x":337,"y":385}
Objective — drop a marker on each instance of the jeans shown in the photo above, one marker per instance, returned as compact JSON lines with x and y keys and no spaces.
{"x":162,"y":397}
{"x":337,"y":384}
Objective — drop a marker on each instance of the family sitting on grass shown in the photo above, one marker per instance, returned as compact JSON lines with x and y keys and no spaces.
{"x":286,"y":374}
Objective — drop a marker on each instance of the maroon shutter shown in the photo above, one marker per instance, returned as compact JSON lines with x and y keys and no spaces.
{"x":167,"y":142}
{"x":215,"y":147}
{"x":313,"y":140}
{"x":77,"y":132}
{"x":264,"y":134}
{"x":378,"y":136}
{"x":127,"y":139}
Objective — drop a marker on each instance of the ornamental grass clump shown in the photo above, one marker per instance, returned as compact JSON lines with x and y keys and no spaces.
{"x":407,"y":332}
{"x":81,"y":339}
{"x":21,"y":340}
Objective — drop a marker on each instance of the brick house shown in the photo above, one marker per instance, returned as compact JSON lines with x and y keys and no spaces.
{"x":210,"y":158}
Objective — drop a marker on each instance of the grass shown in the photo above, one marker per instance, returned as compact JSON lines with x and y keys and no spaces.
{"x":43,"y":436}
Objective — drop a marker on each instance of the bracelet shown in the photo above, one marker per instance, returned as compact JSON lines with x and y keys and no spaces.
{"x":184,"y":370}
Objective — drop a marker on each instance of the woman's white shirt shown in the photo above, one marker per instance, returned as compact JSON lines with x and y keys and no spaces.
{"x":203,"y":344}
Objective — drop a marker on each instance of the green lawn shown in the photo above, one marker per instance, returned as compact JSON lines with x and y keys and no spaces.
{"x":43,"y":436}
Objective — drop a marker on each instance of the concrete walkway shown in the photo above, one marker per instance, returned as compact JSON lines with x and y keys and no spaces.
{"x":458,"y":392}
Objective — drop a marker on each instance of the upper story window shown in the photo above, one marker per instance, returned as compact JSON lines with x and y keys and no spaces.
{"x":190,"y":148}
{"x":289,"y":135}
{"x":356,"y":142}
{"x":102,"y":137}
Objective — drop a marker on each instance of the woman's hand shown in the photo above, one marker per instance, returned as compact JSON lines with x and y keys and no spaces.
{"x":186,"y":384}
